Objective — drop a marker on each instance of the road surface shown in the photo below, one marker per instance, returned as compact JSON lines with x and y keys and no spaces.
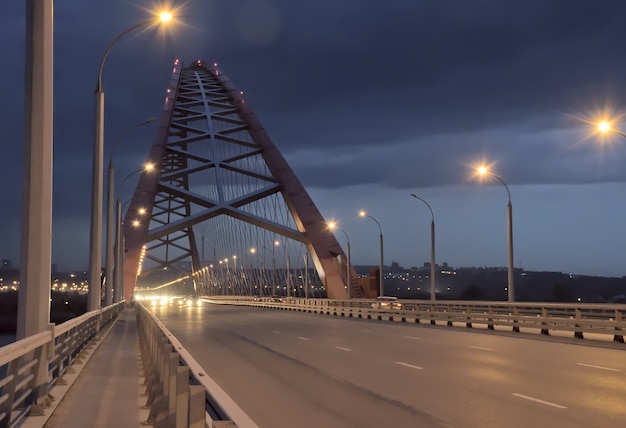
{"x":294,"y":369}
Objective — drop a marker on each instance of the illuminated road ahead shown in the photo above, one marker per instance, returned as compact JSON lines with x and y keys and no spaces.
{"x":290,"y":369}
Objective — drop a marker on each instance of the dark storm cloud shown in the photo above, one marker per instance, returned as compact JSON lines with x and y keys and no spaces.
{"x":401,"y":94}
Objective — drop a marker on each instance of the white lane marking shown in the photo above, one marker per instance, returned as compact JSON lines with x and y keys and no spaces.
{"x":366,"y":331}
{"x":536,"y":400}
{"x":343,"y":349}
{"x":408,"y":365}
{"x":275,"y":331}
{"x":303,"y":338}
{"x":257,"y":327}
{"x":481,"y":348}
{"x":413,"y":337}
{"x":333,"y":326}
{"x":598,"y":367}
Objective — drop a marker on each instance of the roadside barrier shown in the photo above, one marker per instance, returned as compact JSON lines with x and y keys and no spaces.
{"x":30,"y":367}
{"x":180,"y":394}
{"x":578,"y":319}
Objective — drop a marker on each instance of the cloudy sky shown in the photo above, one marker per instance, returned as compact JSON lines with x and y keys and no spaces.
{"x":369,"y":102}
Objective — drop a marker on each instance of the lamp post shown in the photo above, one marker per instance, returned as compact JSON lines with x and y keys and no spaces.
{"x":433,"y":293}
{"x":95,"y":235}
{"x":332,"y":226}
{"x":276,"y":244}
{"x":258,"y":272}
{"x":364,"y":214}
{"x":36,"y":221}
{"x":484,"y":171}
{"x":118,"y":271}
{"x":108,"y":297}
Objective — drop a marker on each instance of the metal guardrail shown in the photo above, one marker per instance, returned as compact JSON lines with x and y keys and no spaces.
{"x":30,"y":367}
{"x":180,"y":393}
{"x":600,"y":318}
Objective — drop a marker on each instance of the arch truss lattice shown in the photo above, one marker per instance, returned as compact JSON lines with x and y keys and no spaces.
{"x":224,"y":209}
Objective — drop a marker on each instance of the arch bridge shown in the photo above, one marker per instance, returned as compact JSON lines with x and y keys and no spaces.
{"x":222,"y":212}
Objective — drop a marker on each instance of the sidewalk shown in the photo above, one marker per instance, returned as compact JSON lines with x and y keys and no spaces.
{"x":105,"y":390}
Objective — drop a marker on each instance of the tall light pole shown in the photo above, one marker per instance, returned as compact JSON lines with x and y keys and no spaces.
{"x":118,"y":272}
{"x":276,"y":244}
{"x":433,"y":292}
{"x":332,"y":226}
{"x":108,"y":294}
{"x":95,"y":235}
{"x":484,"y":171}
{"x":36,"y":225}
{"x":364,"y":214}
{"x":258,"y":271}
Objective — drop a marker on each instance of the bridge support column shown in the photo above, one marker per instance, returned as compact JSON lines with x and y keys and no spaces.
{"x":36,"y":233}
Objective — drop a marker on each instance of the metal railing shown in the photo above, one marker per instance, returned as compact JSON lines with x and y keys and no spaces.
{"x":30,"y":367}
{"x":577,"y":318}
{"x":180,"y":393}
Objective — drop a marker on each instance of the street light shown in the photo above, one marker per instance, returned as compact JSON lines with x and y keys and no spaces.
{"x":108,"y":298}
{"x":95,"y":236}
{"x":605,"y":127}
{"x":258,"y":271}
{"x":332,"y":226}
{"x":276,"y":244}
{"x":484,"y":171}
{"x":364,"y":214}
{"x":432,"y":248}
{"x":118,"y":271}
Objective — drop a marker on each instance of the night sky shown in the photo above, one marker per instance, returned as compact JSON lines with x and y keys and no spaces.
{"x":369,"y":101}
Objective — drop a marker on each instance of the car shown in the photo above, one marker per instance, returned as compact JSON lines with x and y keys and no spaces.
{"x":386,"y":302}
{"x":190,"y":301}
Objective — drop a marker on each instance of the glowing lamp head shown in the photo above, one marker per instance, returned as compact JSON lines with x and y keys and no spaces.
{"x":148,"y":167}
{"x":165,"y":16}
{"x":362,"y":213}
{"x":136,"y":223}
{"x":604,"y":127}
{"x":482,"y":170}
{"x":276,"y":243}
{"x":252,"y":250}
{"x":332,"y":225}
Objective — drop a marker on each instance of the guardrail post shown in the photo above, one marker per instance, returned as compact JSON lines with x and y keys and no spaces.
{"x":172,"y":381}
{"x":515,"y":314}
{"x":468,"y":312}
{"x":578,"y":333}
{"x":544,"y":315}
{"x":618,"y":318}
{"x":182,"y":397}
{"x":40,"y":382}
{"x":197,"y":404}
{"x":99,"y":321}
{"x":490,"y":319}
{"x":158,"y":398}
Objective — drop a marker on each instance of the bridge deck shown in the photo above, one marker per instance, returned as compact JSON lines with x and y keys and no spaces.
{"x":105,"y":390}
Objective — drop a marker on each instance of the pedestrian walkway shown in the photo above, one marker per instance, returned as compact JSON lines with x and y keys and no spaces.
{"x":105,"y":389}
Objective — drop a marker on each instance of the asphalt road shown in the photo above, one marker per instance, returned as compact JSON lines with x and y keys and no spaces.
{"x":293,"y":369}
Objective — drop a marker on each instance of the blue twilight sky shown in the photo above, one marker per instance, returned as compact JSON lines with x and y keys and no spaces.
{"x":369,"y":102}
